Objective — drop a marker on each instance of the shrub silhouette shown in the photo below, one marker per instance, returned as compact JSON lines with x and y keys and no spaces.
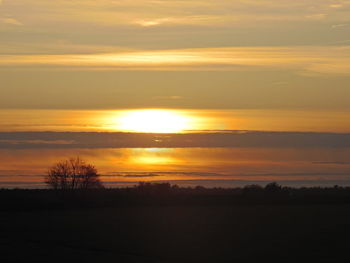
{"x":73,"y":174}
{"x":154,"y":188}
{"x":273,"y":188}
{"x":253,"y":190}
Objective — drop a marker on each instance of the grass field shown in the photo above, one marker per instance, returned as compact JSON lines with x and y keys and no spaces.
{"x":248,"y":233}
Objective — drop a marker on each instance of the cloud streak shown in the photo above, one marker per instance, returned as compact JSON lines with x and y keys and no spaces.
{"x":332,"y":60}
{"x":179,"y":12}
{"x":233,"y":139}
{"x":10,"y":21}
{"x":173,"y":23}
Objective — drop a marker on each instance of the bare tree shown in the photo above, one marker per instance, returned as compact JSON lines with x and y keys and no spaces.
{"x":73,"y":174}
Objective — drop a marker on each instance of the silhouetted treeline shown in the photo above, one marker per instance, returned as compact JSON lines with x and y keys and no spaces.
{"x":167,"y":194}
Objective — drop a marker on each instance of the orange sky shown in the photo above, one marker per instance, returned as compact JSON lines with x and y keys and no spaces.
{"x":163,"y":120}
{"x":173,"y":66}
{"x":228,"y":164}
{"x":196,"y":54}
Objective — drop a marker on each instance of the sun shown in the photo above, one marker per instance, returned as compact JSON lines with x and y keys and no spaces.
{"x":153,"y":121}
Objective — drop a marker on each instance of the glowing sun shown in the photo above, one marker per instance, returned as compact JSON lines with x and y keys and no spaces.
{"x":154,"y":121}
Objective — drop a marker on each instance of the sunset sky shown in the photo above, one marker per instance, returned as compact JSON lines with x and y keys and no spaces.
{"x":164,"y":66}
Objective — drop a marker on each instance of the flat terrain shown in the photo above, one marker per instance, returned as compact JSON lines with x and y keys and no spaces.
{"x":226,"y":233}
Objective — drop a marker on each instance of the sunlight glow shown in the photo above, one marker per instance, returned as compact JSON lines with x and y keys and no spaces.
{"x":157,"y":121}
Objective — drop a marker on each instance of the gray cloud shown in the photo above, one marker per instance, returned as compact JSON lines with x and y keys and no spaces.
{"x":336,"y":162}
{"x":318,"y":175}
{"x":34,"y":140}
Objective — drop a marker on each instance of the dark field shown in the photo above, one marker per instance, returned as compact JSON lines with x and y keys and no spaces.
{"x":171,"y":233}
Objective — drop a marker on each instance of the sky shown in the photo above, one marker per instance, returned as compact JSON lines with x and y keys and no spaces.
{"x":267,"y":81}
{"x":107,"y":54}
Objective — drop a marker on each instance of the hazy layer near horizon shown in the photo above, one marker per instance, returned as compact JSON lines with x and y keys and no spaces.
{"x":224,"y":159}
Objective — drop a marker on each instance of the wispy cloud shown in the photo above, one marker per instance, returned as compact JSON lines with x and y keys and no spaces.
{"x":10,"y":21}
{"x":339,"y":25}
{"x":332,"y":60}
{"x":124,"y":12}
{"x":183,"y":20}
{"x":149,"y":24}
{"x":174,"y":97}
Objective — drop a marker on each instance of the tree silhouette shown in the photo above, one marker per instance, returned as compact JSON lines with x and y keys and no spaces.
{"x":73,"y":174}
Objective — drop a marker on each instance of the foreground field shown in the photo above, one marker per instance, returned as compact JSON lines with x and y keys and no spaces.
{"x":246,"y":233}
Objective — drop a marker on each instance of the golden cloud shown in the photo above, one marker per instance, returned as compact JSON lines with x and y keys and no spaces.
{"x":329,"y":59}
